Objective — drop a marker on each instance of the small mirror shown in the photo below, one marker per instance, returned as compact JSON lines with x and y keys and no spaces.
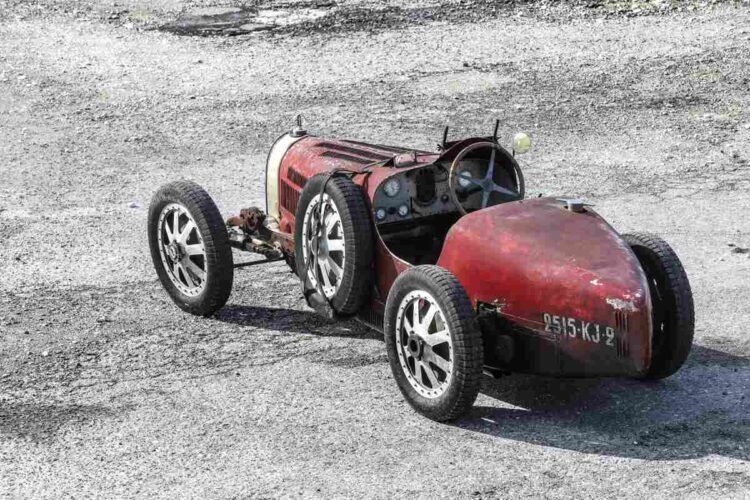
{"x":521,"y":143}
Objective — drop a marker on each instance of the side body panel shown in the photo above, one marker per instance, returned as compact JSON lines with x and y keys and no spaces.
{"x":559,"y":281}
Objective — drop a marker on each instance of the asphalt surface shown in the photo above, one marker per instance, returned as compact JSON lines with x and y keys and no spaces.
{"x":108,"y":390}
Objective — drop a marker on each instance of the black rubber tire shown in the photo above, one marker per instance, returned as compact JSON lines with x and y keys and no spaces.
{"x":673,"y":313}
{"x":213,"y":231}
{"x":468,"y":354}
{"x":355,"y":285}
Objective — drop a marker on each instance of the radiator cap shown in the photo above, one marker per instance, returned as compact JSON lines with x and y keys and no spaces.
{"x":574,"y":204}
{"x":298,"y":130}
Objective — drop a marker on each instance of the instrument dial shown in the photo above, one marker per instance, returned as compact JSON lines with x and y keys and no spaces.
{"x":392,"y":187}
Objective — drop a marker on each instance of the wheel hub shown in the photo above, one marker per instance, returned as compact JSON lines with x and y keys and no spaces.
{"x":181,"y":247}
{"x":416,"y":346}
{"x":175,"y":251}
{"x":323,"y":247}
{"x":424,"y":344}
{"x":323,"y":241}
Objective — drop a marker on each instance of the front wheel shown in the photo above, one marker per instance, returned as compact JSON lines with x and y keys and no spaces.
{"x":673,"y":316}
{"x":333,"y":242}
{"x":434,"y":345}
{"x":190,"y":247}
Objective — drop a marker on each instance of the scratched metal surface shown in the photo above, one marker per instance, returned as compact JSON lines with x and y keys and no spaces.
{"x":535,"y":258}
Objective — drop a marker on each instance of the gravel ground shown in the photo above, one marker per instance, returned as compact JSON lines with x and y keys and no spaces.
{"x":108,"y":390}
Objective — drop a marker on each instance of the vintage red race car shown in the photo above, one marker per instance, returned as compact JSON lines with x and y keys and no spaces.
{"x":442,"y":252}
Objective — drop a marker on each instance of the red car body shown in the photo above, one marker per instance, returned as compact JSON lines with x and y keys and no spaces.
{"x":559,"y":287}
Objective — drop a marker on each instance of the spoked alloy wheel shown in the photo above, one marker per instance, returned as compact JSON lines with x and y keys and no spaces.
{"x":433,"y":342}
{"x":190,"y":247}
{"x":334,"y":246}
{"x":329,"y":240}
{"x":182,"y":251}
{"x":424,"y":344}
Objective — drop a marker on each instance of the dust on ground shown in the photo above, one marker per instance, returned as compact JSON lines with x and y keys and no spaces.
{"x":107,"y":389}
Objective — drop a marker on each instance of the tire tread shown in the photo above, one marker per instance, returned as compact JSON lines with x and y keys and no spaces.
{"x":215,"y":240}
{"x":357,"y":226}
{"x":680,"y":342}
{"x":465,"y":334}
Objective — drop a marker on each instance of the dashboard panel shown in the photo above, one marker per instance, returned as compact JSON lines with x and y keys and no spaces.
{"x":425,"y":192}
{"x":420,"y":193}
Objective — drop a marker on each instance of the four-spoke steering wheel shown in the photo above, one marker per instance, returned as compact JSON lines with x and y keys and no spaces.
{"x":486,"y":185}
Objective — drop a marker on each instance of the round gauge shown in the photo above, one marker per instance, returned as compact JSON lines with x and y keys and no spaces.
{"x":392,"y":187}
{"x":380,"y":213}
{"x":403,"y":210}
{"x":464,"y":179}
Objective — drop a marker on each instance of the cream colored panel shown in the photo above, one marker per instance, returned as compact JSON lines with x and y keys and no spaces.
{"x":275,"y":157}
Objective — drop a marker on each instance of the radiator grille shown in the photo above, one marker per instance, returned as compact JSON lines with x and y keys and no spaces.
{"x":289,"y":196}
{"x":296,"y":177}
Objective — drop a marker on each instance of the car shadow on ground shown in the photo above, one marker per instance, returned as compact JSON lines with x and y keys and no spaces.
{"x":701,"y":410}
{"x":294,"y":320}
{"x":42,"y":422}
{"x":307,"y":322}
{"x":704,"y":409}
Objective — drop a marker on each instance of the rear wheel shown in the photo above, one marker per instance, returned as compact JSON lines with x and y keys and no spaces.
{"x":190,"y":247}
{"x":434,"y":345}
{"x":673,"y":316}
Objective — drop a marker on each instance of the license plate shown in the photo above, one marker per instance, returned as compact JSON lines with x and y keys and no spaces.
{"x":575,"y":328}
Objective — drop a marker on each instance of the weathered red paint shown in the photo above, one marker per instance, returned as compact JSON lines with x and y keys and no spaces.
{"x":534,"y":257}
{"x":313,"y":155}
{"x":525,"y":259}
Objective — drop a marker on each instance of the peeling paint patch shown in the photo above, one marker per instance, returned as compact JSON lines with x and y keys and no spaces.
{"x":499,"y":305}
{"x":622,"y":305}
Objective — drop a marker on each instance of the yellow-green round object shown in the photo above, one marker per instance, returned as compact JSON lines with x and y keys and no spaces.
{"x":521,"y":143}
